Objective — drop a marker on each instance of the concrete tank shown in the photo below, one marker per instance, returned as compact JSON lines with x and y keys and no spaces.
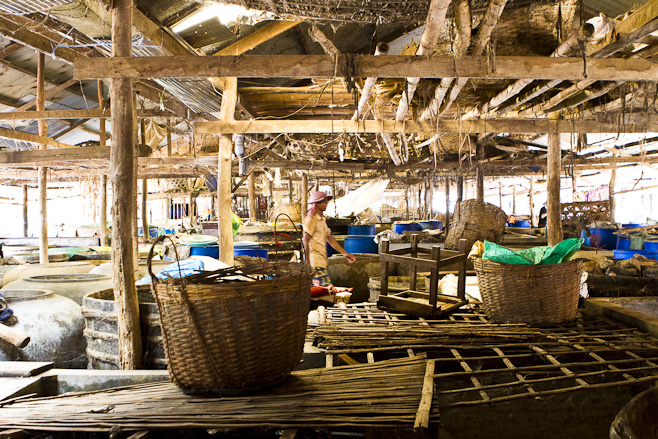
{"x":54,"y":324}
{"x":102,"y":333}
{"x":74,"y":286}
{"x":22,"y":271}
{"x":356,"y":275}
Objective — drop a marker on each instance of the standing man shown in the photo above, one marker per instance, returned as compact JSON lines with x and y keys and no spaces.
{"x":317,"y":235}
{"x":543,"y":214}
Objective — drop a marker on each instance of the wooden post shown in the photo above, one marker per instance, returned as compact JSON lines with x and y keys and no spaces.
{"x":514,"y":196}
{"x":168,"y":141}
{"x":227,"y":112}
{"x":25,"y":210}
{"x":270,"y":188}
{"x":103,"y":213}
{"x":500,"y":193}
{"x":190,"y":204}
{"x":304,"y":194}
{"x":611,"y":191}
{"x":145,"y":220}
{"x":460,"y":189}
{"x":479,"y":173}
{"x":418,"y":212}
{"x":251,"y":196}
{"x":122,"y":176}
{"x":447,"y":223}
{"x":43,"y":172}
{"x":102,"y":230}
{"x":554,"y":223}
{"x":532,"y":201}
{"x":406,"y":200}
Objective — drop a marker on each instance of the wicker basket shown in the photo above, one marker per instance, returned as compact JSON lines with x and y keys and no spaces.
{"x":234,"y":338}
{"x":475,"y":221}
{"x":529,"y":293}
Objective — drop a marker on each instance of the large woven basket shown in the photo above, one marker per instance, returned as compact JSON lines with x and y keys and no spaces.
{"x":535,"y":294}
{"x":475,"y":221}
{"x":234,"y":338}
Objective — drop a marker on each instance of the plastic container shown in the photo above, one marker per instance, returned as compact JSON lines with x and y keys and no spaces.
{"x":627,"y":254}
{"x":361,"y":244}
{"x":523,"y":223}
{"x":624,"y":242}
{"x":153,"y":231}
{"x":431,"y":225}
{"x":368,"y":229}
{"x":630,"y":225}
{"x":253,"y":252}
{"x":600,"y":238}
{"x":206,"y":250}
{"x":651,"y":246}
{"x":400,"y":228}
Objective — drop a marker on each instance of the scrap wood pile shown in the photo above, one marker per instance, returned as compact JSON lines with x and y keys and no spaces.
{"x":390,"y":393}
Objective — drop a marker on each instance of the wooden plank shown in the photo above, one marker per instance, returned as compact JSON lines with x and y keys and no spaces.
{"x":76,"y":114}
{"x":391,"y":66}
{"x":426,"y":264}
{"x":260,"y":36}
{"x":24,"y":368}
{"x":512,"y":126}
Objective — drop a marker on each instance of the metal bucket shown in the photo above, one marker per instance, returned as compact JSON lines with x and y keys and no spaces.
{"x":102,"y":333}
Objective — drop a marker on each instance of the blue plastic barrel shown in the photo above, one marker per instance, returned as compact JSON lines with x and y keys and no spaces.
{"x":368,"y":229}
{"x":627,"y":254}
{"x":523,"y":223}
{"x":623,"y":242}
{"x":651,"y":246}
{"x":431,"y":225}
{"x":253,"y":252}
{"x":360,"y":244}
{"x":206,"y":250}
{"x":400,"y":228}
{"x":153,"y":231}
{"x":600,"y":238}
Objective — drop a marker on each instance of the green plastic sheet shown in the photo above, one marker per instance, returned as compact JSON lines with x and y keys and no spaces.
{"x":543,"y":255}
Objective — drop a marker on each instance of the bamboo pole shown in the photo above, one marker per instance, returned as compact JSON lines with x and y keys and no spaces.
{"x":447,"y":222}
{"x":251,"y":196}
{"x":43,"y":172}
{"x":554,"y":222}
{"x":500,"y":193}
{"x":381,"y":49}
{"x":122,"y":176}
{"x":224,"y":217}
{"x":514,"y":196}
{"x":611,"y":192}
{"x":433,"y":26}
{"x":25,"y":224}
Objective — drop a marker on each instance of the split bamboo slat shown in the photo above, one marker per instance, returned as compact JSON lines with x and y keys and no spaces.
{"x":477,"y":362}
{"x":392,"y":393}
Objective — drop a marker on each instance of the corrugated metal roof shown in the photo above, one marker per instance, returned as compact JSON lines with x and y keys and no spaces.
{"x":30,"y":6}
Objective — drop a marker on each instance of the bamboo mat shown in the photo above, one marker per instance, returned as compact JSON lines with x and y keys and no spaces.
{"x":394,"y":393}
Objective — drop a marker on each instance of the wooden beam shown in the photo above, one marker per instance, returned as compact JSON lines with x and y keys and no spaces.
{"x":260,"y":36}
{"x":77,"y":114}
{"x":49,"y":93}
{"x":637,"y":25}
{"x":514,"y":126}
{"x":123,"y":181}
{"x":32,"y":138}
{"x":392,"y":66}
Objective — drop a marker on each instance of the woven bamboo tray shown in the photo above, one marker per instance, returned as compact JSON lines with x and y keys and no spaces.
{"x":475,"y":221}
{"x":535,"y":294}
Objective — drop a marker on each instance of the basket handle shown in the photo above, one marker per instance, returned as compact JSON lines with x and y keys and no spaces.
{"x":150,"y":257}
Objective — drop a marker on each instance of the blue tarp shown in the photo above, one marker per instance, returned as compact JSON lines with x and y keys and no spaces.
{"x":188,"y":267}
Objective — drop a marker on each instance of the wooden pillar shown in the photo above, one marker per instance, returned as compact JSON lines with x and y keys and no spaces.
{"x":102,"y":221}
{"x":514,"y":196}
{"x":25,"y":210}
{"x":554,"y":223}
{"x":500,"y":193}
{"x":304,"y":195}
{"x":168,"y":208}
{"x":168,"y":141}
{"x":611,"y":191}
{"x":419,"y":202}
{"x":145,"y":220}
{"x":479,"y":173}
{"x":460,"y":189}
{"x":406,"y":200}
{"x":43,"y":172}
{"x":102,"y":230}
{"x":227,"y":112}
{"x":190,"y":204}
{"x":251,"y":197}
{"x":270,"y":189}
{"x":123,"y":202}
{"x":532,"y":201}
{"x":447,"y":222}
